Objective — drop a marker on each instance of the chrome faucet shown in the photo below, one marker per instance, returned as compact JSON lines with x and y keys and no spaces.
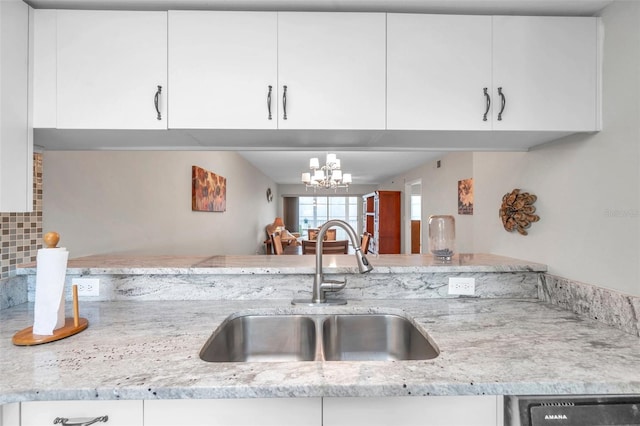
{"x":322,"y":286}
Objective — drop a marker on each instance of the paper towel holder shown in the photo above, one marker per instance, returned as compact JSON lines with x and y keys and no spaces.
{"x":71,"y":325}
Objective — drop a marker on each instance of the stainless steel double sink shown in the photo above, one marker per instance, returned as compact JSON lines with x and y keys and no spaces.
{"x":337,"y":337}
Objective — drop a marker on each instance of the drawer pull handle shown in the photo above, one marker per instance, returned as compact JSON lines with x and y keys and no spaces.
{"x":79,"y":422}
{"x":156,"y":101}
{"x":284,"y":102}
{"x":488,"y":99}
{"x":269,"y":102}
{"x":504,"y":103}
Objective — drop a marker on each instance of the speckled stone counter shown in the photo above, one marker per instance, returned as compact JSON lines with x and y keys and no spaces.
{"x":149,"y":350}
{"x":288,"y":277}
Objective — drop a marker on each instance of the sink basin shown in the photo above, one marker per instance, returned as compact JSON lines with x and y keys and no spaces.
{"x":262,"y":338}
{"x":344,"y":337}
{"x":374,"y":338}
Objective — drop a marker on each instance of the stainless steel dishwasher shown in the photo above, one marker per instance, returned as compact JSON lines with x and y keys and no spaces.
{"x":572,"y":410}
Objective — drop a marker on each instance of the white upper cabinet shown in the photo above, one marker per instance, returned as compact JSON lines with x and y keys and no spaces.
{"x":437,"y":69}
{"x":223,"y":70}
{"x":314,"y":70}
{"x":111,"y":69}
{"x":16,"y":143}
{"x":333,"y":68}
{"x":541,"y":73}
{"x":546,"y":69}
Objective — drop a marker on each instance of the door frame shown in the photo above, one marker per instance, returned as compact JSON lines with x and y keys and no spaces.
{"x":407,"y":215}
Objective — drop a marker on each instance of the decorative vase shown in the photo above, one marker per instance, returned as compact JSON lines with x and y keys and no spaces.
{"x":442,"y":236}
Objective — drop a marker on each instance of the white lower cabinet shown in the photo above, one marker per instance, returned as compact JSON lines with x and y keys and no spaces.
{"x":234,"y":412}
{"x":120,"y":413}
{"x":10,"y":414}
{"x":334,"y":411}
{"x":412,"y":411}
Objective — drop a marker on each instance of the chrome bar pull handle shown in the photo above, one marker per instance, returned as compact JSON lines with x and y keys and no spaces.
{"x":504,"y":103}
{"x":284,"y":103}
{"x":488,"y":99}
{"x":156,"y":100}
{"x":269,"y":101}
{"x":79,"y":422}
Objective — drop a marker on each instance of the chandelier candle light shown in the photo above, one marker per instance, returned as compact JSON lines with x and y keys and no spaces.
{"x":329,"y":176}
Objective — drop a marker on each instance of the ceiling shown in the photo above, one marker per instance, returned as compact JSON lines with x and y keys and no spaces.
{"x":370,"y":166}
{"x":366,"y":168}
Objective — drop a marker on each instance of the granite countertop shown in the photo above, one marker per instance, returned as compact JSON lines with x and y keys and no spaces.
{"x":263,"y":264}
{"x":149,"y":350}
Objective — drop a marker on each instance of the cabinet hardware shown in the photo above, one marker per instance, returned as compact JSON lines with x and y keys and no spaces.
{"x":156,"y":98}
{"x":488,"y":99}
{"x":79,"y":422}
{"x":269,"y":101}
{"x":504,"y":103}
{"x":284,"y":103}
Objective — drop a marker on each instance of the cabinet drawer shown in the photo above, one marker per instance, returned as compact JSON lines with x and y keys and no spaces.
{"x":411,"y":411}
{"x":234,"y":412}
{"x":120,"y":413}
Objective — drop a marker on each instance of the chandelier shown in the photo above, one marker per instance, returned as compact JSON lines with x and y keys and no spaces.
{"x":329,"y":176}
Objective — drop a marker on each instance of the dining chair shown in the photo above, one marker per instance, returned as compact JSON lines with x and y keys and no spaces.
{"x":328,"y":247}
{"x":364,"y":242}
{"x":330,"y":235}
{"x":276,"y":242}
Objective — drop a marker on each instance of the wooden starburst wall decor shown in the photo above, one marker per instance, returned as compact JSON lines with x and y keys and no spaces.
{"x":517,"y":211}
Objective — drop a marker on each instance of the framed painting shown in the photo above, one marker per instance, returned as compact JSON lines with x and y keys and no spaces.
{"x":465,"y":196}
{"x":208,"y":191}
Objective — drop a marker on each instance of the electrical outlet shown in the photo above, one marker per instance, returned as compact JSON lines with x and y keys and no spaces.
{"x":87,"y":286}
{"x":463,"y":286}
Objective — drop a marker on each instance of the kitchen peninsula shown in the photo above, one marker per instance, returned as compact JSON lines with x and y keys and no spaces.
{"x":286,"y":277}
{"x":143,"y":346}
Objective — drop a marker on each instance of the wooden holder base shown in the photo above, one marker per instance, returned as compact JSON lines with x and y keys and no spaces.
{"x":27,"y":338}
{"x":71,"y":326}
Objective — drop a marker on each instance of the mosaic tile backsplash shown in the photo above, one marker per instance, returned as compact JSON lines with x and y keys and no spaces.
{"x":21,"y":233}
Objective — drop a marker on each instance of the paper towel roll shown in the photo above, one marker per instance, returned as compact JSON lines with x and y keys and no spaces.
{"x":51,"y":271}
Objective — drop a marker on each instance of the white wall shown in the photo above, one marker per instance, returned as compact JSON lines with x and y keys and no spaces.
{"x":440,"y":195}
{"x":139,"y":202}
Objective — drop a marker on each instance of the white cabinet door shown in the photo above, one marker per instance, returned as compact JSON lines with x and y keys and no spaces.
{"x":411,"y":411}
{"x":120,"y":413}
{"x":234,"y":412}
{"x":221,"y":68}
{"x":333,"y":67}
{"x":437,"y":69}
{"x":546,"y":68}
{"x":110,"y":64}
{"x":16,"y":143}
{"x":10,"y":414}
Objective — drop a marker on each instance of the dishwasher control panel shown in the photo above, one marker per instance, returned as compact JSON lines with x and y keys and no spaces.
{"x":572,"y":410}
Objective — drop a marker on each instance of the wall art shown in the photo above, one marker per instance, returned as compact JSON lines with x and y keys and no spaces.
{"x":517,"y":211}
{"x":208,"y":191}
{"x":465,"y":196}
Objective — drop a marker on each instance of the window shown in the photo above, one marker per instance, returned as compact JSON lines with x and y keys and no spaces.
{"x":314,"y":211}
{"x":416,"y":207}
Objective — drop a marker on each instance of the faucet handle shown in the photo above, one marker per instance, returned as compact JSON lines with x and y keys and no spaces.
{"x":333,"y":285}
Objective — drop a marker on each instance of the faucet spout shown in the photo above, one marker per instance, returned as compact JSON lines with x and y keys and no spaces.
{"x":322,"y":286}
